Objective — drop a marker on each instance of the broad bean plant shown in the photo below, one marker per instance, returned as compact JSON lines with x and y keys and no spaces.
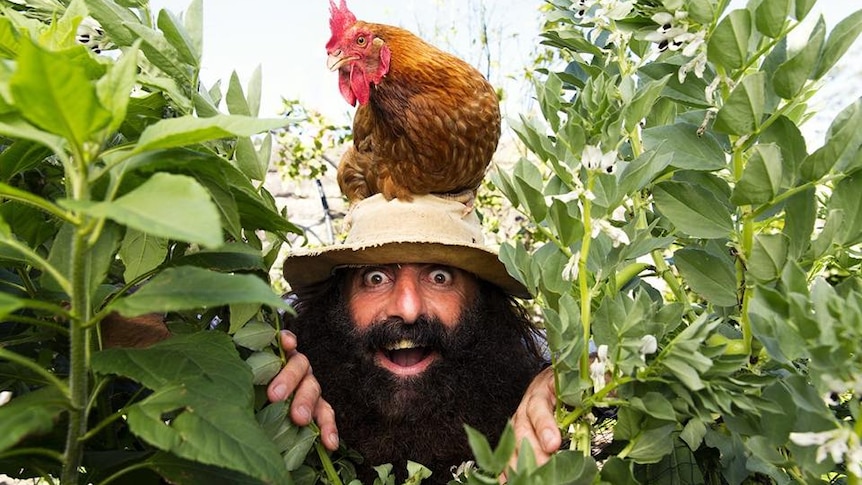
{"x":696,"y":263}
{"x":127,"y":194}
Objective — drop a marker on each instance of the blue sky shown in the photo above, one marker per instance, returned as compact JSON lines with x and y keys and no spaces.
{"x":287,"y":38}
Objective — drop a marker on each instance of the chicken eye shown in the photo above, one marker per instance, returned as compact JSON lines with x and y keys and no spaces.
{"x":441,"y":276}
{"x":373,"y":277}
{"x":360,"y":41}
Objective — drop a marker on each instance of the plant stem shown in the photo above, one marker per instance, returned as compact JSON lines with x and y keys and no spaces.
{"x":78,"y":360}
{"x":583,"y":286}
{"x":79,"y":335}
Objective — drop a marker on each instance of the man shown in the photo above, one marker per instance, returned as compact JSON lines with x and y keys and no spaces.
{"x":412,"y":332}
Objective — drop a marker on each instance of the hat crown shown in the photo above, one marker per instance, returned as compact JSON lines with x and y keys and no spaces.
{"x":427,"y":218}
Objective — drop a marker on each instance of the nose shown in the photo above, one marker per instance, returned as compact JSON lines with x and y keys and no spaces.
{"x":406,"y":300}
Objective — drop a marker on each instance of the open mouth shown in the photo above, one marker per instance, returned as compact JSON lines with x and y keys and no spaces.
{"x":405,"y":358}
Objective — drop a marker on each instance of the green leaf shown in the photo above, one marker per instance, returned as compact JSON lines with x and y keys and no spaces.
{"x":255,"y":335}
{"x":643,"y":170}
{"x":651,"y":445}
{"x":9,"y":43}
{"x":9,"y":304}
{"x":13,"y":126}
{"x":800,"y":214}
{"x":187,"y":288}
{"x":770,"y":17}
{"x":565,"y":218}
{"x":709,"y":276}
{"x":114,"y":89}
{"x":687,"y":149}
{"x":843,"y":141}
{"x":566,"y":467}
{"x":693,"y":210}
{"x":188,"y":130}
{"x":176,"y":470}
{"x":162,"y":53}
{"x":841,"y":38}
{"x":31,"y":414}
{"x":527,"y":182}
{"x":21,"y":156}
{"x":847,"y":197}
{"x":803,"y":7}
{"x":790,"y":77}
{"x":141,"y":252}
{"x":786,"y":134}
{"x":113,"y":18}
{"x":728,"y":45}
{"x":492,"y":461}
{"x":686,"y":374}
{"x":194,"y":21}
{"x":236,"y":102}
{"x":176,"y":35}
{"x":201,"y":408}
{"x":641,"y":105}
{"x":761,"y":178}
{"x":768,"y":256}
{"x":247,"y":160}
{"x":693,"y":433}
{"x":170,"y":206}
{"x":264,"y":366}
{"x":56,"y":94}
{"x":741,"y":114}
{"x":295,"y":457}
{"x":655,"y":405}
{"x":95,"y":267}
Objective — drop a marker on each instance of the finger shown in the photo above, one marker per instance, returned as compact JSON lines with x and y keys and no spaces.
{"x":542,"y":421}
{"x":289,"y":377}
{"x":288,"y":340}
{"x":324,"y":416}
{"x":305,"y":400}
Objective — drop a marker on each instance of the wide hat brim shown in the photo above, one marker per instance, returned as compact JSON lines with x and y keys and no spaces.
{"x":428,"y":229}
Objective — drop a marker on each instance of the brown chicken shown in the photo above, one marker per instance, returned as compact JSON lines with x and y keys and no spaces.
{"x":427,"y":122}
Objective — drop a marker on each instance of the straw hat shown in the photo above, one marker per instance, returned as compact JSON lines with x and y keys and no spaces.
{"x":428,"y":229}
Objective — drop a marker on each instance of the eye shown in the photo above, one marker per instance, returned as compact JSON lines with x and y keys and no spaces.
{"x":374,"y":277}
{"x":441,"y":276}
{"x":360,"y":41}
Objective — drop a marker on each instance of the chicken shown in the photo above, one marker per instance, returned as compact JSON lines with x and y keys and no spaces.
{"x":427,"y":122}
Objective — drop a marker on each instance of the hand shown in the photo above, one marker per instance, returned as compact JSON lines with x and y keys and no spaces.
{"x":534,"y":419}
{"x":296,"y":378}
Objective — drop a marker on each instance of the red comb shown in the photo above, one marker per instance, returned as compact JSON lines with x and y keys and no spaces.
{"x":340,"y":18}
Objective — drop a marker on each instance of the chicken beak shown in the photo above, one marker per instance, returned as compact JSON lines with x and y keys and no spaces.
{"x":337,"y":59}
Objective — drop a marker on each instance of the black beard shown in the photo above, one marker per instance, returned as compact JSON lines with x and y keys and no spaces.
{"x":483,"y":369}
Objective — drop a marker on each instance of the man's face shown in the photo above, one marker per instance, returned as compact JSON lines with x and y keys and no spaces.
{"x":380,"y":298}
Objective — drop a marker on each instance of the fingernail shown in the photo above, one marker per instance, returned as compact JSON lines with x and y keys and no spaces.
{"x":304,"y":413}
{"x":333,"y":438}
{"x":278,"y":392}
{"x":548,"y":437}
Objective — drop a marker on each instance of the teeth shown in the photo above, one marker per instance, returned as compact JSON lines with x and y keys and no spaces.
{"x":403,"y":344}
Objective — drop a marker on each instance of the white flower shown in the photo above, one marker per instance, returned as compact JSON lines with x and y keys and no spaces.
{"x":580,"y":7}
{"x":592,"y":158}
{"x":649,"y":345}
{"x":617,"y":235}
{"x":5,"y":396}
{"x":835,"y":443}
{"x":615,"y":9}
{"x":696,"y":64}
{"x":564,"y":198}
{"x":91,"y":34}
{"x":670,"y":34}
{"x":570,"y":270}
{"x":598,"y":368}
{"x":710,"y":90}
{"x":854,"y":461}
